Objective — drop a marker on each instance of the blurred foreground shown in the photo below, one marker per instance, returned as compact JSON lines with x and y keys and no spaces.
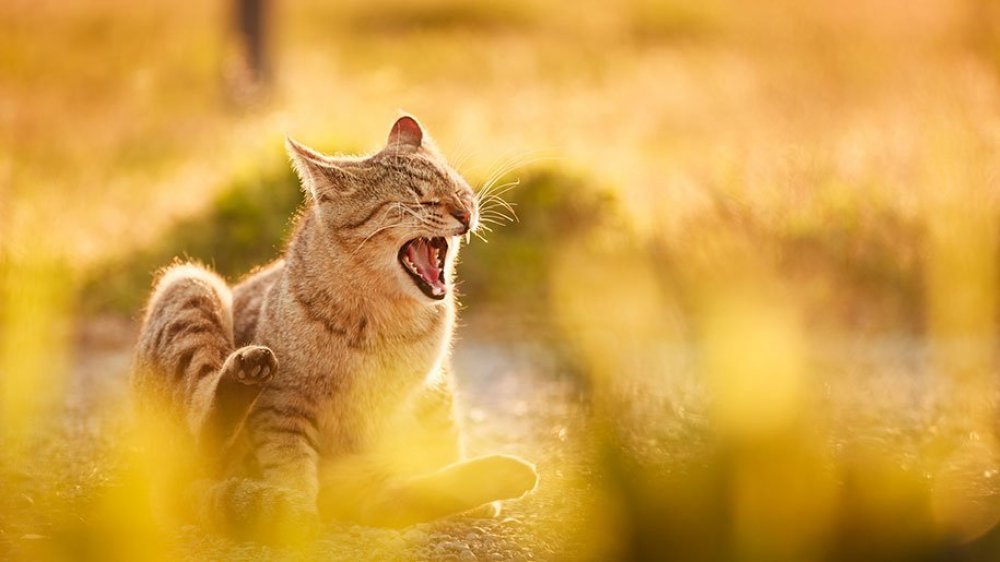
{"x":748,"y":311}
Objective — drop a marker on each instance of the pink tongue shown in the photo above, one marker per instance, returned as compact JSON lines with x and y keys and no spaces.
{"x":422,"y":255}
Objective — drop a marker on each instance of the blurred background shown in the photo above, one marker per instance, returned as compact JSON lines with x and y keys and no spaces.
{"x":746,"y":311}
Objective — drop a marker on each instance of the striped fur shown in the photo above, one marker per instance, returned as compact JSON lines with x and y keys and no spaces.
{"x":320,"y":382}
{"x":186,"y":365}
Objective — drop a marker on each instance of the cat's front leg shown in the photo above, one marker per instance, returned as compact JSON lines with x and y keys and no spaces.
{"x":473,"y":486}
{"x":429,"y":434}
{"x":284,"y":436}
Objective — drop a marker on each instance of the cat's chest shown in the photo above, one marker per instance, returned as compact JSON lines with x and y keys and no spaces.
{"x":357,"y":403}
{"x":342,"y":370}
{"x":378,"y":377}
{"x":356,"y":378}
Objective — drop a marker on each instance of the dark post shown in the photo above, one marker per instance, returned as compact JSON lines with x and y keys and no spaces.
{"x":253,"y":72}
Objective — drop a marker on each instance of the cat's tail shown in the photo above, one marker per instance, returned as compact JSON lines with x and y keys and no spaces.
{"x":456,"y":488}
{"x":185,"y":366}
{"x":185,"y":338}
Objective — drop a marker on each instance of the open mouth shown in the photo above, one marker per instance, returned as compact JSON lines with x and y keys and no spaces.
{"x":423,"y":259}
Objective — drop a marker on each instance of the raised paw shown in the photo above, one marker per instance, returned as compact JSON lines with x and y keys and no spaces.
{"x":252,"y":365}
{"x":241,"y":381}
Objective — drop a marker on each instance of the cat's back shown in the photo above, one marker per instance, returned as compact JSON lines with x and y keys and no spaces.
{"x":248,"y":299}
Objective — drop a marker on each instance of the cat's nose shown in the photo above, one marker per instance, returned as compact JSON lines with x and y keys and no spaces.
{"x":463,"y":216}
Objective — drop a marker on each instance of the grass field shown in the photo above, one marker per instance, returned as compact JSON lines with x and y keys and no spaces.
{"x":748,"y":311}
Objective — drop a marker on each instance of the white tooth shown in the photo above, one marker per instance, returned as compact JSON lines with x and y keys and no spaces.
{"x":468,"y":236}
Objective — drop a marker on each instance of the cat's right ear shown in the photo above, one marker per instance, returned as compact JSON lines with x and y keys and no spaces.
{"x":320,"y":176}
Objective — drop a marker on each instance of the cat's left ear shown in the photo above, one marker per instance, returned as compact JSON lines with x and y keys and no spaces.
{"x":320,"y":175}
{"x":406,"y":135}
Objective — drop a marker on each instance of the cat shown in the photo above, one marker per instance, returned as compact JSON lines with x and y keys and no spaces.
{"x":319,"y":387}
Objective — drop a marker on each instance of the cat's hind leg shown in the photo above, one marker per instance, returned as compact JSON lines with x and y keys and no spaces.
{"x":241,"y":380}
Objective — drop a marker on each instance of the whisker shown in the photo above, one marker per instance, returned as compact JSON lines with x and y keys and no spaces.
{"x":501,"y":202}
{"x":498,"y":202}
{"x":517,"y":163}
{"x":500,"y":173}
{"x":498,"y":221}
{"x":495,"y":198}
{"x":377,"y":230}
{"x":493,"y":222}
{"x":493,"y":183}
{"x":497,"y":215}
{"x":465,"y":153}
{"x":490,"y":185}
{"x":491,"y":207}
{"x":493,"y":163}
{"x":498,"y":190}
{"x":399,"y":207}
{"x":504,"y":187}
{"x":494,"y":209}
{"x":403,"y":207}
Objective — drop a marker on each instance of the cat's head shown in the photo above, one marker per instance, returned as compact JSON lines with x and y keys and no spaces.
{"x":398,"y":213}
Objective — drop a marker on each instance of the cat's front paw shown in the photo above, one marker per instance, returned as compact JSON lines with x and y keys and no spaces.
{"x":512,"y":476}
{"x":252,"y":365}
{"x":290,"y":518}
{"x":490,"y":510}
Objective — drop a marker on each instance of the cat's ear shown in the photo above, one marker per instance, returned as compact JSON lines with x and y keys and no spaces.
{"x":406,"y":135}
{"x":320,"y":175}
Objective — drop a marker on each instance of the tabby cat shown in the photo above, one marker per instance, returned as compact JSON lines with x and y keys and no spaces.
{"x":319,"y":386}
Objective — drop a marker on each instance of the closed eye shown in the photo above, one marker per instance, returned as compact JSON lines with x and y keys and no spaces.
{"x":430,"y":203}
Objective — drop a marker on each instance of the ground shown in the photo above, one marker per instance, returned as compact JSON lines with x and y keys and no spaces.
{"x":878,"y":398}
